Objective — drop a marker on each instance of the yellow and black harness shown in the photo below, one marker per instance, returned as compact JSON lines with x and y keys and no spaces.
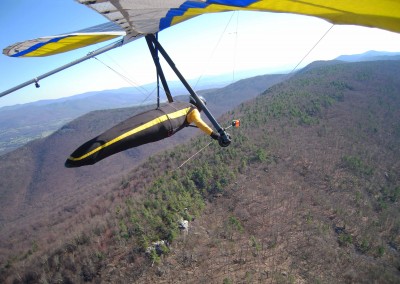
{"x":140,"y":129}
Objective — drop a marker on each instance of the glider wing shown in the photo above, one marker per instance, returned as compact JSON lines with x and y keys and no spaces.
{"x":136,"y":18}
{"x":150,"y":16}
{"x":51,"y":45}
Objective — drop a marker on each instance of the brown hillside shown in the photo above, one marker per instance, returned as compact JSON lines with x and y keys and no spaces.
{"x":37,"y":191}
{"x":308,"y":192}
{"x":321,"y":202}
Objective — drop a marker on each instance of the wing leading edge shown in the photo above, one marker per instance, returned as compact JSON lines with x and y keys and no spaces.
{"x":51,"y":45}
{"x":135,"y":18}
{"x":150,"y":16}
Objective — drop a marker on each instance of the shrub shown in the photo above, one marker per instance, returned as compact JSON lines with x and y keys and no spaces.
{"x":261,"y":155}
{"x":256,"y":245}
{"x":356,"y":165}
{"x":345,"y":239}
{"x":380,"y":251}
{"x":82,"y":239}
{"x":227,"y":281}
{"x":364,"y":246}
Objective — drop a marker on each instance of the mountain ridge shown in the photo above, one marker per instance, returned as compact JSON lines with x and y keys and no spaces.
{"x":371,"y":55}
{"x":24,"y":123}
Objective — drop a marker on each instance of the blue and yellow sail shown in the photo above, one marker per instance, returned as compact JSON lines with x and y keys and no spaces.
{"x":134,"y":18}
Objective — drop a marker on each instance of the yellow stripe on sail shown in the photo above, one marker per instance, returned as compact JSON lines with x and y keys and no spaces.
{"x":69,"y":43}
{"x":382,"y":14}
{"x":145,"y":126}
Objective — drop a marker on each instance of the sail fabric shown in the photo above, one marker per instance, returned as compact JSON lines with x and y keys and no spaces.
{"x":150,"y":16}
{"x":136,"y":18}
{"x":45,"y":46}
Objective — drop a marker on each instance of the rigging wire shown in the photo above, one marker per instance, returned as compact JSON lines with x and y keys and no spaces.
{"x":195,"y":154}
{"x":128,"y":80}
{"x":215,"y":48}
{"x":235,"y":46}
{"x":125,"y":71}
{"x":312,"y":48}
{"x":142,"y":90}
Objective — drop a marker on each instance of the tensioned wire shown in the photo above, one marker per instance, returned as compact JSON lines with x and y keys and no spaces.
{"x":312,"y":48}
{"x":143,"y":90}
{"x":298,"y":64}
{"x":195,"y":154}
{"x":217,"y":44}
{"x":212,"y":53}
{"x":235,"y":46}
{"x":129,"y":80}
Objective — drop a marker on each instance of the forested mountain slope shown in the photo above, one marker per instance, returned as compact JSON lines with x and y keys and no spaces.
{"x":307,"y":192}
{"x":38,"y":192}
{"x":34,"y":178}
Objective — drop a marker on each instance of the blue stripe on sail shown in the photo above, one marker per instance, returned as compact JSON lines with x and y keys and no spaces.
{"x":167,"y":20}
{"x":37,"y":46}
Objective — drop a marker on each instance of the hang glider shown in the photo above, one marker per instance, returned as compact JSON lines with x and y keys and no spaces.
{"x":133,"y":19}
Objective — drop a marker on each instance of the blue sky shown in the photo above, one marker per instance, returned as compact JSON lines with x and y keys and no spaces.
{"x":207,"y":45}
